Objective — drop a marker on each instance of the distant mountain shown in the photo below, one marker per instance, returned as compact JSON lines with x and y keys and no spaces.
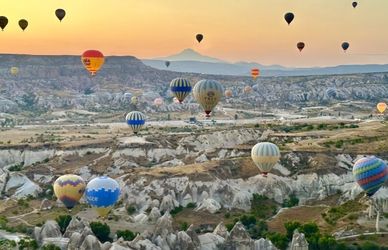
{"x":191,"y":61}
{"x":190,"y":55}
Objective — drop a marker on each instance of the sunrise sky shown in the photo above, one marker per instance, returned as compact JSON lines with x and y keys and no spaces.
{"x":234,"y":30}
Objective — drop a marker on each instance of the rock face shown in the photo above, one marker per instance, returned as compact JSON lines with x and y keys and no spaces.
{"x":239,"y":238}
{"x":299,"y":242}
{"x":45,"y":205}
{"x":24,"y":186}
{"x":90,"y":243}
{"x":163,"y":226}
{"x":49,"y":230}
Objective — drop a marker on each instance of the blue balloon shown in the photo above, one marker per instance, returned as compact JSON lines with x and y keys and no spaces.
{"x":102,"y":193}
{"x":135,"y":120}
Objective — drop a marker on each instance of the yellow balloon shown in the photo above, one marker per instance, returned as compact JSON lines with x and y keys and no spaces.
{"x":208,"y":93}
{"x":381,"y":107}
{"x":69,"y":189}
{"x":14,"y":71}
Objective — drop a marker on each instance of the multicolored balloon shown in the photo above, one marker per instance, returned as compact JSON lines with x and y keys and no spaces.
{"x":92,"y":61}
{"x":370,"y":173}
{"x":102,"y":193}
{"x":181,"y":88}
{"x":14,"y":71}
{"x":255,"y":73}
{"x":208,"y":93}
{"x":158,"y":102}
{"x":381,"y":107}
{"x":265,"y":155}
{"x":69,"y":189}
{"x":135,"y":121}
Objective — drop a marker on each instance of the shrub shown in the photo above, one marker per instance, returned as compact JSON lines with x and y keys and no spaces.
{"x":131,"y":210}
{"x":184,"y":226}
{"x":293,"y":201}
{"x":63,"y":222}
{"x":50,"y":247}
{"x":191,"y":205}
{"x":279,"y":240}
{"x":101,"y":231}
{"x":127,"y":235}
{"x":176,"y":210}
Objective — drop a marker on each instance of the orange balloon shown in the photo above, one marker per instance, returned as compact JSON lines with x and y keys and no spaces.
{"x":381,"y":107}
{"x":255,"y":73}
{"x":228,"y":93}
{"x":92,"y":61}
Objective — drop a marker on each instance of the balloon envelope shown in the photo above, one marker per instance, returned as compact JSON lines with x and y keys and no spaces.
{"x":289,"y":17}
{"x":300,"y":46}
{"x":92,"y":61}
{"x":102,"y":193}
{"x":181,"y":88}
{"x":69,"y":189}
{"x":199,"y":37}
{"x":60,"y":13}
{"x":135,"y":120}
{"x":208,"y":93}
{"x":354,"y":4}
{"x":228,"y":93}
{"x":134,"y":100}
{"x":158,"y":102}
{"x":255,"y":73}
{"x":14,"y":71}
{"x":167,"y":63}
{"x":247,"y":89}
{"x":265,"y":155}
{"x":370,"y":173}
{"x":3,"y":22}
{"x":345,"y":46}
{"x":381,"y":107}
{"x":23,"y":23}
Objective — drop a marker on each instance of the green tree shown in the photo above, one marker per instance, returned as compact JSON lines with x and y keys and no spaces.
{"x":290,"y":227}
{"x":50,"y":247}
{"x":63,"y":222}
{"x":279,"y":240}
{"x":101,"y":231}
{"x":127,"y":235}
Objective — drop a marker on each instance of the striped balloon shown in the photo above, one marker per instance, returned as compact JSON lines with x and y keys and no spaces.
{"x":331,"y":92}
{"x":255,"y":73}
{"x":102,"y":193}
{"x":265,"y":155}
{"x":208,"y":93}
{"x":370,"y":173}
{"x":69,"y":189}
{"x":135,"y":120}
{"x":181,"y":88}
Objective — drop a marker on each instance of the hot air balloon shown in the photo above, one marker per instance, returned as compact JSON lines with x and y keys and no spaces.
{"x":181,"y":88}
{"x":247,"y":89}
{"x":69,"y":189}
{"x":60,"y":13}
{"x":228,"y":93}
{"x":199,"y":37}
{"x":345,"y":46}
{"x":3,"y":22}
{"x":14,"y":71}
{"x":331,"y":92}
{"x":370,"y":173}
{"x":208,"y":93}
{"x":134,"y":100}
{"x":93,"y":61}
{"x":175,"y":100}
{"x":381,"y":107}
{"x":255,"y":73}
{"x":354,"y":4}
{"x":102,"y":193}
{"x":158,"y":102}
{"x":167,"y":63}
{"x":265,"y":155}
{"x":23,"y":23}
{"x":300,"y":46}
{"x":289,"y":17}
{"x":135,"y":121}
{"x":127,"y":96}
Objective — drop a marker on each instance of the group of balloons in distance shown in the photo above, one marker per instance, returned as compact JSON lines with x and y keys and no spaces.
{"x":101,"y":193}
{"x":23,"y":23}
{"x":369,"y":172}
{"x":289,"y":17}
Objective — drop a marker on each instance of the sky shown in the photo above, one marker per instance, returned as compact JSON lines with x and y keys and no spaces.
{"x":234,"y":30}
